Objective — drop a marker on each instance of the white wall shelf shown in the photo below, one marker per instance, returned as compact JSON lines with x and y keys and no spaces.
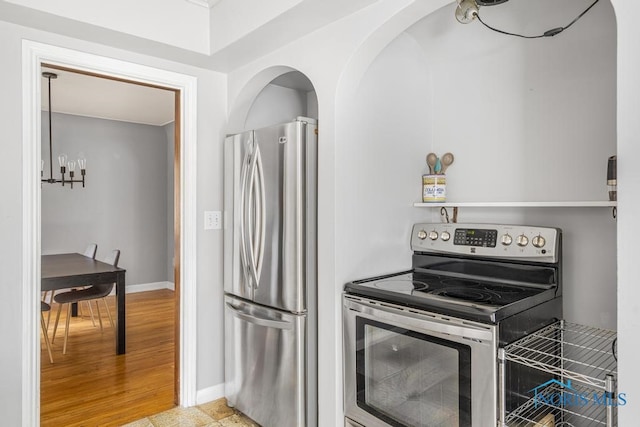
{"x":562,"y":204}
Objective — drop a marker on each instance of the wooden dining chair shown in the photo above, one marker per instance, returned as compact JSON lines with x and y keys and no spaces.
{"x":93,"y":292}
{"x":112,"y":259}
{"x":45,"y":307}
{"x":89,"y":252}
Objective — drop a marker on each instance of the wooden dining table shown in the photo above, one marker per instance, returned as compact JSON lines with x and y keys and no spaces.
{"x":62,"y":271}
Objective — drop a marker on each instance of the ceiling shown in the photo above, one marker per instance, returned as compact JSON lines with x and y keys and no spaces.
{"x":242,"y":30}
{"x":84,"y":95}
{"x":219,"y":35}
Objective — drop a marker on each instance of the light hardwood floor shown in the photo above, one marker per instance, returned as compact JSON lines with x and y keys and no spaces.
{"x":91,"y":386}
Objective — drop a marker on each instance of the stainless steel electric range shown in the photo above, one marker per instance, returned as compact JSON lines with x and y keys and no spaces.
{"x":420,"y":346}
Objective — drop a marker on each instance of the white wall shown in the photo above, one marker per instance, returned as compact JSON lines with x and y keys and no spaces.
{"x":312,"y":105}
{"x":628,"y":105}
{"x":515,"y":116}
{"x":211,"y":113}
{"x":530,"y":119}
{"x":231,"y":21}
{"x":11,"y":232}
{"x":276,"y":104}
{"x":124,"y":203}
{"x":149,"y":19}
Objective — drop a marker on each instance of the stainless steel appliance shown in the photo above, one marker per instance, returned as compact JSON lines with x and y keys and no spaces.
{"x":270,"y":273}
{"x":420,"y":346}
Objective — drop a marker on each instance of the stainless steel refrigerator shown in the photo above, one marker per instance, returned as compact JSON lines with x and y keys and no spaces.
{"x":270,"y":194}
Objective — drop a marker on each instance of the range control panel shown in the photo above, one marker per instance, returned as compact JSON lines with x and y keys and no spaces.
{"x":475,"y":237}
{"x":488,"y":240}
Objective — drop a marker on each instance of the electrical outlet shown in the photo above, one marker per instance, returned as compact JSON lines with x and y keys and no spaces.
{"x":212,"y":220}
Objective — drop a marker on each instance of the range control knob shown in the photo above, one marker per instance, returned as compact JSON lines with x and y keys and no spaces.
{"x":433,"y":235}
{"x":538,"y":241}
{"x":506,"y":239}
{"x":522,"y":240}
{"x":422,"y":234}
{"x":445,"y":236}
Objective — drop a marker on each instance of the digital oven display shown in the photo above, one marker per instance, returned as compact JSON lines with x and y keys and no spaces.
{"x":475,"y":237}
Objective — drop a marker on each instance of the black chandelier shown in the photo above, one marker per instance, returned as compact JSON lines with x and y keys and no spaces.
{"x":65,"y":165}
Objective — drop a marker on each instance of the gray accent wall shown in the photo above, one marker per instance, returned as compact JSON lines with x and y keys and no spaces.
{"x":127,"y":202}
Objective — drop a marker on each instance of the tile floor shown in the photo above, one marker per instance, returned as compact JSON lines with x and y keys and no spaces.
{"x":212,"y":414}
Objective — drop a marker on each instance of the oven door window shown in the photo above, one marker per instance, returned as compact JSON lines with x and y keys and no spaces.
{"x":406,"y":378}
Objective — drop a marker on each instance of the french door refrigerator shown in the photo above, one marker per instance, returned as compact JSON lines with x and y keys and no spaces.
{"x":270,"y":193}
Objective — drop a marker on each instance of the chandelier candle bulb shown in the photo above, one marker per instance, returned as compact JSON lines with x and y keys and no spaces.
{"x":82,"y":164}
{"x":72,"y":166}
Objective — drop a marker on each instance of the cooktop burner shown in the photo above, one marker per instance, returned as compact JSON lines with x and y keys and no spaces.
{"x":401,"y":285}
{"x":469,"y":294}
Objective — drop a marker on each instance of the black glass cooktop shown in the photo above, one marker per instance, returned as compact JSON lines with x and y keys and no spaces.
{"x":451,"y":295}
{"x":474,"y":291}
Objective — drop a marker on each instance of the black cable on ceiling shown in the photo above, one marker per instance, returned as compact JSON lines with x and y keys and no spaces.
{"x":549,"y":33}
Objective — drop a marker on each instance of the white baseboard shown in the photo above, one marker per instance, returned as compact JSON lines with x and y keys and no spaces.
{"x":210,"y":394}
{"x":145,"y":287}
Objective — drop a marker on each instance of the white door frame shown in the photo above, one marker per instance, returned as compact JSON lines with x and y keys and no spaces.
{"x":33,"y":55}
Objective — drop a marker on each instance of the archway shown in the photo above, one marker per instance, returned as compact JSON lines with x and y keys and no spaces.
{"x":243,"y":114}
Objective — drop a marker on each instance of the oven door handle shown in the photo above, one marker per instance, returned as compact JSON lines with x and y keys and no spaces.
{"x":420,"y":322}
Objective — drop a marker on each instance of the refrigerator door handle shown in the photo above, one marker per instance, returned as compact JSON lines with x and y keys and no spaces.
{"x":251,"y":213}
{"x":258,"y":320}
{"x":243,"y":213}
{"x":262,"y":216}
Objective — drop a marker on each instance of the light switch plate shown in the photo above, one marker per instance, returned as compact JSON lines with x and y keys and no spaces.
{"x":212,"y":220}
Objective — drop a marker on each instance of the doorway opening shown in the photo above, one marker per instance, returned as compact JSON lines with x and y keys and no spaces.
{"x":35,"y":55}
{"x":127,"y":132}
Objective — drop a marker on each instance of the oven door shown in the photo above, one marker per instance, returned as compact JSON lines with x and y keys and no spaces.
{"x":409,"y":368}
